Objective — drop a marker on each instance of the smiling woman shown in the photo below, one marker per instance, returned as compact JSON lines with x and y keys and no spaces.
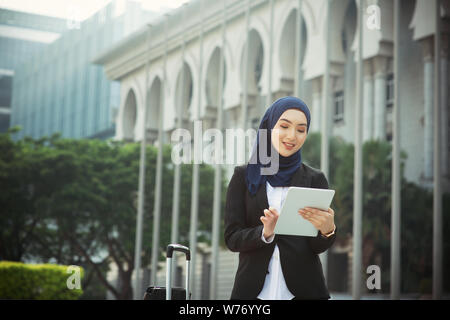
{"x":277,"y":266}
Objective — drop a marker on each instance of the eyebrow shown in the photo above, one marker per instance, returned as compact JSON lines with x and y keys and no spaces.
{"x":299,"y":124}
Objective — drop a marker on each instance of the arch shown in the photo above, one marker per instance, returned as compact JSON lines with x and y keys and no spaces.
{"x":257,"y":26}
{"x":212,"y":77}
{"x":209,"y":51}
{"x":154,"y":103}
{"x":129,"y":117}
{"x":126,"y":87}
{"x":174,"y":80}
{"x":348,"y":28}
{"x":183,"y":96}
{"x":307,"y":14}
{"x":287,"y":42}
{"x":311,"y":26}
{"x":338,"y":9}
{"x":155,"y":75}
{"x":256,"y":59}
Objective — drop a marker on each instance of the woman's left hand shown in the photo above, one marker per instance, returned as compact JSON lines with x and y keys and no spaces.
{"x":322,"y":220}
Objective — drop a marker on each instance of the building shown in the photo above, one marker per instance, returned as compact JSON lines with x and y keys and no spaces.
{"x":21,"y":36}
{"x":126,"y":63}
{"x":58,"y":90}
{"x":184,"y":52}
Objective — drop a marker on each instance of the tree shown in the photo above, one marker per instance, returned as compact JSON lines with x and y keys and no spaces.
{"x":27,"y":182}
{"x":74,"y":202}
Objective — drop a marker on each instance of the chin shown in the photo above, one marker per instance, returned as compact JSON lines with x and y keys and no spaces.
{"x":286,"y":154}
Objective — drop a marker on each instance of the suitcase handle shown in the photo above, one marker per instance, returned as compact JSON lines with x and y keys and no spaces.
{"x":178,"y":247}
{"x":170,"y":249}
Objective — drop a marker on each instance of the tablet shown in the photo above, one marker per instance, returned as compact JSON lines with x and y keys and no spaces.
{"x":290,"y":222}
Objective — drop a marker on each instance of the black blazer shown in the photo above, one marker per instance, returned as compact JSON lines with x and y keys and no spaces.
{"x":299,"y":258}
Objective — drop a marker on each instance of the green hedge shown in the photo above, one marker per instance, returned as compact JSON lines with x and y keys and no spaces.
{"x":37,"y":281}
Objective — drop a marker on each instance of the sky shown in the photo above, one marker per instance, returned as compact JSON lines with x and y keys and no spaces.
{"x":79,"y":9}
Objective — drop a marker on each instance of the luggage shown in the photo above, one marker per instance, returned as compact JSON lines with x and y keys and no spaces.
{"x":167,"y":292}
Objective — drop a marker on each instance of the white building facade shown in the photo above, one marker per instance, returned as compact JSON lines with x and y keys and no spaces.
{"x":126,"y":63}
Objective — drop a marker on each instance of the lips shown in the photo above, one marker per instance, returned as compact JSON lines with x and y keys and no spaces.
{"x":288,"y":146}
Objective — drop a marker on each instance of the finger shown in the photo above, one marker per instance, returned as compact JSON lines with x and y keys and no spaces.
{"x":310,"y":214}
{"x":331,"y":211}
{"x":305,"y":210}
{"x":274,"y":211}
{"x":312,"y":210}
{"x":267,"y":213}
{"x":306,"y":215}
{"x":315,"y":221}
{"x":270,"y":216}
{"x":318,"y":213}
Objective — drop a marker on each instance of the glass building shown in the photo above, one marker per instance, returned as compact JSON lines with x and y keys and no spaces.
{"x":21,"y":36}
{"x":58,"y":89}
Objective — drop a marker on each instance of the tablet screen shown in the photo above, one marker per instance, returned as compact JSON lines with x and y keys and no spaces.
{"x":290,"y":221}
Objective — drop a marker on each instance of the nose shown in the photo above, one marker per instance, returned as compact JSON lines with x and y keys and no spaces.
{"x":291,"y":134}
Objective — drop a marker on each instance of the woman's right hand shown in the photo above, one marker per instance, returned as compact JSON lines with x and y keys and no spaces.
{"x":269,"y":221}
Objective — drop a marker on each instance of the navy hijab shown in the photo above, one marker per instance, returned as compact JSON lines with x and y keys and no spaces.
{"x":287,"y":165}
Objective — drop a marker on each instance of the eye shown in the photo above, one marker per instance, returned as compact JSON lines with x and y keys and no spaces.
{"x":301,"y":131}
{"x":284,"y":127}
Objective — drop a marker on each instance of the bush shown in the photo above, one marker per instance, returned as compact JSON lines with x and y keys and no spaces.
{"x":37,"y":281}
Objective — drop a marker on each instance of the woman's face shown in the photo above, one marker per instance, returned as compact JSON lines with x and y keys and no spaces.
{"x":289,"y":133}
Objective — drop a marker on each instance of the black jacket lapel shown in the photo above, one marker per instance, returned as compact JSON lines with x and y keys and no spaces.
{"x":301,"y":178}
{"x":261,"y":198}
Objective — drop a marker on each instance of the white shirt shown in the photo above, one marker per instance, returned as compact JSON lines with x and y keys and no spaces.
{"x":275,"y":287}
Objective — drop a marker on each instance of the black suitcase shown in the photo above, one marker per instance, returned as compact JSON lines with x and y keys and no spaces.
{"x":167,"y":292}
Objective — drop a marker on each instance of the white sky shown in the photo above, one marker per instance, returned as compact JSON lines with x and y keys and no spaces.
{"x":79,"y":9}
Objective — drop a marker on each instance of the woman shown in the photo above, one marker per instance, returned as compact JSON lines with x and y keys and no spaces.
{"x":277,"y":266}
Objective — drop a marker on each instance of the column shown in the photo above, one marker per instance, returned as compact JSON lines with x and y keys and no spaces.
{"x":218,"y":172}
{"x":325,"y":120}
{"x":159,"y":164}
{"x":380,"y":71}
{"x":396,"y":204}
{"x":437,"y":181}
{"x":298,"y":52}
{"x":137,"y":294}
{"x":316,"y":105}
{"x":444,"y":104}
{"x":196,"y":167}
{"x":269,"y":80}
{"x":358,"y":162}
{"x":368,"y":101}
{"x":177,"y":168}
{"x":428,"y":79}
